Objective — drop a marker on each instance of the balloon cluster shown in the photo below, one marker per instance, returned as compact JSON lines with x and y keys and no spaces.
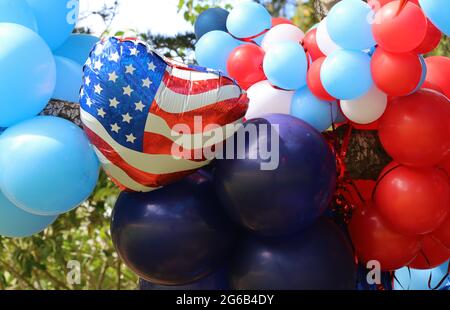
{"x":47,"y":165}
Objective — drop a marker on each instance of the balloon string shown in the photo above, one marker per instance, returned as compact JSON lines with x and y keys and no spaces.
{"x":251,"y":39}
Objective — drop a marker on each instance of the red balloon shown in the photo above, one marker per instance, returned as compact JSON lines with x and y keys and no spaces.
{"x":280,"y":21}
{"x":315,"y":83}
{"x":438,"y":74}
{"x":445,"y":164}
{"x":359,"y":192}
{"x":413,"y":201}
{"x":415,"y":130}
{"x":396,"y":74}
{"x":310,"y":45}
{"x":443,"y":232}
{"x":431,"y":40}
{"x":245,"y":65}
{"x":373,"y":240}
{"x":384,"y":2}
{"x":433,"y":254}
{"x":399,"y":31}
{"x":372,"y":126}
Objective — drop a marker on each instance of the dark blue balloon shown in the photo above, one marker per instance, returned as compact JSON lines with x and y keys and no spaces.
{"x":218,"y":280}
{"x":319,"y":258}
{"x":209,"y":20}
{"x":173,"y":236}
{"x":292,"y":196}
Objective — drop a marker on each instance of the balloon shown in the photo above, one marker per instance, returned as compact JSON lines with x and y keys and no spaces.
{"x":415,"y":130}
{"x":55,"y":19}
{"x":438,"y":12}
{"x":381,"y":3}
{"x":366,"y":109}
{"x":214,"y":48}
{"x":17,"y":12}
{"x":245,"y":65}
{"x":438,"y":71}
{"x":48,"y":165}
{"x":210,"y":20}
{"x":266,"y":99}
{"x":285,"y":65}
{"x":319,"y":258}
{"x":317,"y":113}
{"x":310,"y":45}
{"x":248,"y":19}
{"x":315,"y":83}
{"x":433,"y":254}
{"x":189,"y":108}
{"x":173,"y":236}
{"x":359,"y":192}
{"x":348,"y":25}
{"x":431,"y":41}
{"x":413,"y":201}
{"x":346,"y":75}
{"x":399,"y":31}
{"x":286,"y":191}
{"x":280,"y":21}
{"x":423,"y":76}
{"x":28,"y":74}
{"x":77,"y":47}
{"x":396,"y":74}
{"x":324,"y":41}
{"x":413,"y":279}
{"x":373,"y":240}
{"x":16,"y":223}
{"x":281,"y":33}
{"x":442,"y":234}
{"x":219,"y":280}
{"x":69,"y":76}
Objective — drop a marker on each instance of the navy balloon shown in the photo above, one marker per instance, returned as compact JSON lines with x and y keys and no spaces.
{"x":218,"y":280}
{"x":209,"y":20}
{"x":173,"y":236}
{"x":285,"y":190}
{"x":320,"y":258}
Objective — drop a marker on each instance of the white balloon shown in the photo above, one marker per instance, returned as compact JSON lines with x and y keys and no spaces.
{"x":281,"y":33}
{"x":366,"y":109}
{"x":324,"y":41}
{"x":266,"y":99}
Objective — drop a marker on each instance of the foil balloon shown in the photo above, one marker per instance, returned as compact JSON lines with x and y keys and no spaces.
{"x":152,"y":121}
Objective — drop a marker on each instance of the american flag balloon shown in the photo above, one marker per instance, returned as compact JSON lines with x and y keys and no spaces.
{"x":132,"y":102}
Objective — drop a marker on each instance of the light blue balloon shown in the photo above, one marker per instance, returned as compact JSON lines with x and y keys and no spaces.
{"x":56,"y":19}
{"x":16,"y":223}
{"x":318,"y":113}
{"x":348,"y":25}
{"x":214,"y":48}
{"x":346,"y":74}
{"x":438,"y":11}
{"x":17,"y":12}
{"x":248,"y":19}
{"x":48,"y":165}
{"x":414,"y":279}
{"x":424,"y":74}
{"x":77,"y":47}
{"x":27,"y":74}
{"x":69,"y":77}
{"x":285,"y":65}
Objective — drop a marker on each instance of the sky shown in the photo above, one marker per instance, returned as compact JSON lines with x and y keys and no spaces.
{"x":157,"y":16}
